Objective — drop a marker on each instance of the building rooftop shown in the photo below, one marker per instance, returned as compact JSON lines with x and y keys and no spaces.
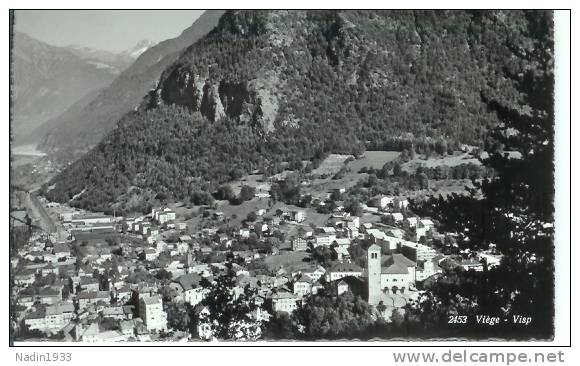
{"x":395,"y":268}
{"x":188,"y":281}
{"x":283,"y":295}
{"x":345,"y":267}
{"x":398,"y":259}
{"x":152,"y":300}
{"x":374,"y":247}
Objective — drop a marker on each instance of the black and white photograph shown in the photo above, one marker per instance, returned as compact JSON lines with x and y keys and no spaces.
{"x":290,"y":176}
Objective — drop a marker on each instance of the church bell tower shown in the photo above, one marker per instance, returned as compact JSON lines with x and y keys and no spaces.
{"x":374,"y":274}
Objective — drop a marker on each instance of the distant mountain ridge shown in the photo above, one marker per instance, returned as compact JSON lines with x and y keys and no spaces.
{"x":267,"y":87}
{"x":118,"y":61}
{"x":46,"y":80}
{"x":83,"y":126}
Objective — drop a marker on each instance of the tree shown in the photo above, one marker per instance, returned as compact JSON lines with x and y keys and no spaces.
{"x":371,"y":181}
{"x":247,"y":193}
{"x":520,"y":198}
{"x":163,"y":274}
{"x":287,"y":190}
{"x":280,"y":326}
{"x":333,"y":317}
{"x":323,"y":255}
{"x":514,"y":208}
{"x":41,"y":281}
{"x":423,"y":181}
{"x":381,"y":307}
{"x":178,"y":315}
{"x":397,"y":169}
{"x":225,"y":192}
{"x":336,"y":195}
{"x":354,"y":208}
{"x":230,"y":309}
{"x":19,"y":237}
{"x":441,"y":147}
{"x":397,"y":317}
{"x":199,"y":198}
{"x":252,"y":216}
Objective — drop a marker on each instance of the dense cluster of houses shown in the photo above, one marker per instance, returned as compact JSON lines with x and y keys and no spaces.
{"x":88,"y":287}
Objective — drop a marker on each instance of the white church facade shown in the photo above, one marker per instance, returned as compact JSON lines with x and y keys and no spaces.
{"x":397,"y":275}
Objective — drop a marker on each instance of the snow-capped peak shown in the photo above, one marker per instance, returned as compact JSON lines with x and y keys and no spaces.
{"x":139,"y":48}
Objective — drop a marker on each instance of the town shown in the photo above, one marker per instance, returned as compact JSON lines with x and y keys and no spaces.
{"x":93,"y":277}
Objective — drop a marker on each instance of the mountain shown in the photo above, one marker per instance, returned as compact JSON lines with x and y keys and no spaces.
{"x":46,"y":80}
{"x":117,"y":62}
{"x":266,"y":87}
{"x":139,"y":48}
{"x":78,"y":129}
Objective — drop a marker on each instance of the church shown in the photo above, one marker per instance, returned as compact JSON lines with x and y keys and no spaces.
{"x":390,"y":275}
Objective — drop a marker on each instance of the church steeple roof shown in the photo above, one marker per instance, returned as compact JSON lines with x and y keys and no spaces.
{"x":374,"y":247}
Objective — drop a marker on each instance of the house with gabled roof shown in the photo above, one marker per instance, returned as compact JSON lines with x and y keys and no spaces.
{"x":302,"y":285}
{"x":25,"y":277}
{"x":285,"y":302}
{"x":188,"y":288}
{"x":89,"y":284}
{"x":61,"y":250}
{"x":341,"y":287}
{"x":48,"y":295}
{"x":343,"y":269}
{"x":93,"y":297}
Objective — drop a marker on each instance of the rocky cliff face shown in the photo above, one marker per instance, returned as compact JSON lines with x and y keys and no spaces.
{"x":248,"y":99}
{"x":240,"y":101}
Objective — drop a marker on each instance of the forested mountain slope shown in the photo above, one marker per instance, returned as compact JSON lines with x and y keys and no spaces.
{"x":271,"y":86}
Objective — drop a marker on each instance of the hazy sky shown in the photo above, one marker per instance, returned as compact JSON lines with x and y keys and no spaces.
{"x":111,"y":30}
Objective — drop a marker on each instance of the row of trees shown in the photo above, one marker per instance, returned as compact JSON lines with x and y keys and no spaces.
{"x":514,"y":209}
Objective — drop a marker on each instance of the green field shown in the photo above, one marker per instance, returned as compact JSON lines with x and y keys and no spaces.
{"x":290,"y":261}
{"x":373,"y":159}
{"x":253,"y":180}
{"x":449,"y":160}
{"x":331,"y":165}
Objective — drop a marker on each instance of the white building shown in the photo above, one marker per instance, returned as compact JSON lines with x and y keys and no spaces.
{"x":343,"y":269}
{"x":299,"y":244}
{"x":354,"y":221}
{"x":385,"y":201}
{"x":324,"y":239}
{"x":341,"y":287}
{"x":152,"y":314}
{"x":91,"y":218}
{"x":303,"y":286}
{"x":397,"y":216}
{"x":162,"y":215}
{"x":52,"y":318}
{"x":285,"y":302}
{"x":298,"y":216}
{"x":423,"y":228}
{"x":415,"y":251}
